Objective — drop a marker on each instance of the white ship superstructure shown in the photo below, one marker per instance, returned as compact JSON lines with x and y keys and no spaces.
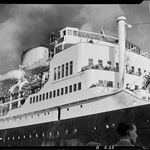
{"x":81,"y":74}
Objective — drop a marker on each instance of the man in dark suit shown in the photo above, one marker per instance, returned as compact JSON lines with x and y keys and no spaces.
{"x":127,"y":132}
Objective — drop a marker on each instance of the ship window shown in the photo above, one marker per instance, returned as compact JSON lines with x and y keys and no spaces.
{"x":54,"y":93}
{"x":43,"y":96}
{"x":109,"y":84}
{"x":40,"y":97}
{"x":66,"y":69}
{"x":58,"y":72}
{"x":71,"y":67}
{"x":90,"y":62}
{"x":47,"y":95}
{"x":69,"y":32}
{"x":30,"y":100}
{"x":139,"y":71}
{"x":66,"y":90}
{"x":100,"y":62}
{"x":117,"y":66}
{"x":62,"y":73}
{"x":132,"y":69}
{"x":33,"y":99}
{"x":75,"y":33}
{"x":109,"y":62}
{"x":50,"y":94}
{"x":57,"y":92}
{"x":74,"y":87}
{"x":62,"y":91}
{"x":64,"y":32}
{"x":55,"y":69}
{"x":118,"y":84}
{"x":70,"y":88}
{"x":79,"y":86}
{"x":36,"y":98}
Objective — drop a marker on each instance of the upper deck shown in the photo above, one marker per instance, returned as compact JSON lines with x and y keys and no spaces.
{"x":70,"y":36}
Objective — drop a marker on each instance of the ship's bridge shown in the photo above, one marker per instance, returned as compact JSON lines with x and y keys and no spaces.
{"x":70,"y":36}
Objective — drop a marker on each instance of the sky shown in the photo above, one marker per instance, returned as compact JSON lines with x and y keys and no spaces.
{"x":24,"y":26}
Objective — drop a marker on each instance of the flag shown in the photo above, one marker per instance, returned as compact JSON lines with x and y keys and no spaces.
{"x":102,"y":33}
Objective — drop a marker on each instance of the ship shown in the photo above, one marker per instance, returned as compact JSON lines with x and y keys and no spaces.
{"x":76,"y":90}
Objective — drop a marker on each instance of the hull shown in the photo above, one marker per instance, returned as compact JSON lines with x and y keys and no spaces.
{"x":81,"y":130}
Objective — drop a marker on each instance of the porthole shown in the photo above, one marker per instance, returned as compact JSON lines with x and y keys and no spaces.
{"x":42,"y":134}
{"x":67,"y":109}
{"x":36,"y":135}
{"x":50,"y":134}
{"x":81,"y":106}
{"x":24,"y":136}
{"x":107,"y":126}
{"x":95,"y":128}
{"x":148,"y":120}
{"x":79,"y":86}
{"x":66,"y":131}
{"x":57,"y":132}
{"x":75,"y":131}
{"x":30,"y":135}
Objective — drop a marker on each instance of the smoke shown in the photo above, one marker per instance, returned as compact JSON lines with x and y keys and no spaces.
{"x":8,"y":43}
{"x":26,"y":26}
{"x":13,"y":30}
{"x":100,"y":15}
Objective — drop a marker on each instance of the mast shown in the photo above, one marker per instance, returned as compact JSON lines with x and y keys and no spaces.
{"x":121,"y":31}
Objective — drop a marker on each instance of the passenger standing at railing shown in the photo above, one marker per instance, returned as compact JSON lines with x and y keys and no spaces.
{"x":91,"y":41}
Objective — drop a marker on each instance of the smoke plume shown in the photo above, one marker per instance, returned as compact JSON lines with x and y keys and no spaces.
{"x":100,"y":16}
{"x":26,"y":26}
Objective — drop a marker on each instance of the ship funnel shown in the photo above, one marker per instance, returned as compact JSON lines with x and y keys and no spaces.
{"x":121,"y":31}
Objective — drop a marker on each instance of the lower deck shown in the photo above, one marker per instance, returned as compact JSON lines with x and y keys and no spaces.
{"x":79,"y":131}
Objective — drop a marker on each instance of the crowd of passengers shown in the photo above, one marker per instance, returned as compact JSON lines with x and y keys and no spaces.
{"x":110,"y":68}
{"x":35,"y":84}
{"x":101,"y":83}
{"x":109,"y":84}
